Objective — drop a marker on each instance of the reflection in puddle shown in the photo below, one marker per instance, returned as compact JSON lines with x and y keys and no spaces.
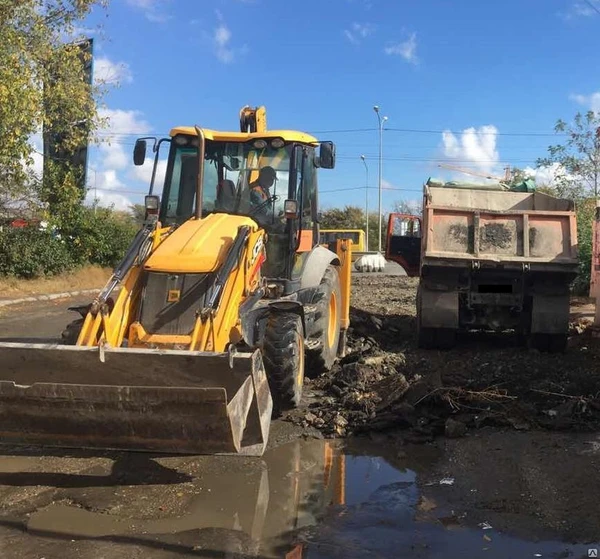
{"x":306,"y":499}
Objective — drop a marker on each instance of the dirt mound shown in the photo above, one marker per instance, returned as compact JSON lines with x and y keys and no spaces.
{"x":385,"y":382}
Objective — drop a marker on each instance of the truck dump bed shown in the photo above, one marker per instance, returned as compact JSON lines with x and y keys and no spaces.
{"x":471,"y":224}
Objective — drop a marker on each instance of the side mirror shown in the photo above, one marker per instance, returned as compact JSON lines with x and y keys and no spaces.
{"x":290,"y":209}
{"x":139,"y":152}
{"x":327,"y":155}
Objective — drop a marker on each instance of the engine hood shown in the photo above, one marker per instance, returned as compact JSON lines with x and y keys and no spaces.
{"x":198,"y":245}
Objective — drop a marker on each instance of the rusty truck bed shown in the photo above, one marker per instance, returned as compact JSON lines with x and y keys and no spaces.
{"x":496,"y":226}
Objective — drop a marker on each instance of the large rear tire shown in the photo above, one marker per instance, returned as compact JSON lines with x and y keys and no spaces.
{"x":283,"y":357}
{"x":433,"y":338}
{"x":71,"y":333}
{"x":324,"y":337}
{"x":549,"y":343}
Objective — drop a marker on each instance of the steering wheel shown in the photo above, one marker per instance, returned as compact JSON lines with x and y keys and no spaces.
{"x":264,"y":204}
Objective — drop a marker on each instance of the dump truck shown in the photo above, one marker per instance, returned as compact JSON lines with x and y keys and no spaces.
{"x":489,"y":258}
{"x":223,"y":302}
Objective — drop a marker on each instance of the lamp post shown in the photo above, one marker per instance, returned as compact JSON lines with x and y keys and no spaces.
{"x":381,"y":120}
{"x":366,"y":200}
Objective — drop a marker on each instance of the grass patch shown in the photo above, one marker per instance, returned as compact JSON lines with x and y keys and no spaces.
{"x":88,"y":277}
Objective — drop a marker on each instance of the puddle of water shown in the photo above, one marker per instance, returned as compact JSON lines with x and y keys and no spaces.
{"x":308,"y":500}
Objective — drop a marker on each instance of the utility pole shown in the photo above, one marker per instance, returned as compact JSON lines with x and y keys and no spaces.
{"x":381,"y":120}
{"x":366,"y":200}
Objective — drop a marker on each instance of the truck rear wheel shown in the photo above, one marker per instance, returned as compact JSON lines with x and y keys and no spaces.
{"x":549,"y":343}
{"x":433,"y":338}
{"x":283,"y":357}
{"x":325,"y":335}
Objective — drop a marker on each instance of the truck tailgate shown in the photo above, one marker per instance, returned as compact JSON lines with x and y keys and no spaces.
{"x":523,"y":236}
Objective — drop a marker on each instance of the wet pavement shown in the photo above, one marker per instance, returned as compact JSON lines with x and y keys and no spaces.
{"x":306,"y":499}
{"x":496,"y":494}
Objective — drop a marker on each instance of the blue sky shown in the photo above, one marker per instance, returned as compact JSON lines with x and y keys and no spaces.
{"x":462,"y":82}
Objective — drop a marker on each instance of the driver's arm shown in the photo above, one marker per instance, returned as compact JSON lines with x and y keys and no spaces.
{"x":256,"y":198}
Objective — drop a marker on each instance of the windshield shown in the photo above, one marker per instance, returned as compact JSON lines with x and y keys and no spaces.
{"x":240,"y":178}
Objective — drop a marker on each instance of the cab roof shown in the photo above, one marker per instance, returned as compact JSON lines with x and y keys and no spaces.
{"x":218,"y":135}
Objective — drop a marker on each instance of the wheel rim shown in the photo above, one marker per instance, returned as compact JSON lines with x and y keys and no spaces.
{"x":300,"y":374}
{"x":332,"y":328}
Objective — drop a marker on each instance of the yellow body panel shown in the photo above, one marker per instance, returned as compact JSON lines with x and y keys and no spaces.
{"x":358,"y":244}
{"x":287,"y":135}
{"x":344,"y":253}
{"x":197,"y":245}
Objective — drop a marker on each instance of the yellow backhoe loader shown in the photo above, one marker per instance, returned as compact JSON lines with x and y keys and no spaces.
{"x":222,"y":302}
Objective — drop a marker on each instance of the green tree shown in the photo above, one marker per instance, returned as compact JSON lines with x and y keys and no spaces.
{"x":577,"y":159}
{"x":578,"y":162}
{"x":408,"y":207}
{"x":353,"y":217}
{"x":42,"y":85}
{"x":350,"y":217}
{"x":139,"y":213}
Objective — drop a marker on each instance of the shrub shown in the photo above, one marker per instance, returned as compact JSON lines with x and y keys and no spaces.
{"x":585,"y":215}
{"x":100,"y":237}
{"x":29,"y":252}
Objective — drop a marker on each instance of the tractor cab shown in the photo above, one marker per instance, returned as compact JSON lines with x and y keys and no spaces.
{"x":268,"y":176}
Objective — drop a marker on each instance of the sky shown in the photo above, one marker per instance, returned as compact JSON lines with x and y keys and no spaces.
{"x":475,"y":84}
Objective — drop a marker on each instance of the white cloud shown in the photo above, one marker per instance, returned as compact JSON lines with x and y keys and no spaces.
{"x":104,"y":188}
{"x":222,"y":43}
{"x":124,"y":122}
{"x":106,"y":71}
{"x":143,"y":173}
{"x":591,"y":101}
{"x":407,"y":49}
{"x":113,"y":156}
{"x":153,"y":9}
{"x":108,"y":199}
{"x":476,"y":147}
{"x":546,"y":176}
{"x":107,"y":180}
{"x":121,"y":124}
{"x":358,"y":32}
{"x":387,"y":185}
{"x":222,"y":38}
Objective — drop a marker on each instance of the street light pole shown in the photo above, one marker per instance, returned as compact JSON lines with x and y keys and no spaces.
{"x":381,"y":120}
{"x":366,"y":200}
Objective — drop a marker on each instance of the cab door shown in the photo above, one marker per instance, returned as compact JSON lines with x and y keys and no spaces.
{"x":403,"y":244}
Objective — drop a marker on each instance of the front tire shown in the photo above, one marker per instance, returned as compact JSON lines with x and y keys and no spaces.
{"x":70,"y":334}
{"x":324,"y":338}
{"x":283,"y":357}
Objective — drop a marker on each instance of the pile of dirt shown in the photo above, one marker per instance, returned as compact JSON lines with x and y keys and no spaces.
{"x":386,"y":382}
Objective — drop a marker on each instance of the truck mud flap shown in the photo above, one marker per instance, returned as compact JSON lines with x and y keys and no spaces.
{"x":134,"y":399}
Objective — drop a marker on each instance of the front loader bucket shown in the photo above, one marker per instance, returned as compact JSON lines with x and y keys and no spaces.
{"x":135,"y":399}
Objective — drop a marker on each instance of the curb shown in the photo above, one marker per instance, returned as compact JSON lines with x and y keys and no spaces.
{"x":50,"y":297}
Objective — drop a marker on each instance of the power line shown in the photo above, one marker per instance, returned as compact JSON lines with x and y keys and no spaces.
{"x":386,"y":129}
{"x":370,"y":188}
{"x":439,"y":160}
{"x":477,"y":132}
{"x":593,"y":6}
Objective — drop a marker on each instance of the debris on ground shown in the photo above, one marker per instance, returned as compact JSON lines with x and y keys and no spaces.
{"x":386,"y":383}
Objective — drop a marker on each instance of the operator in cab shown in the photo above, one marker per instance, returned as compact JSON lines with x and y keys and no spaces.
{"x":259,"y":189}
